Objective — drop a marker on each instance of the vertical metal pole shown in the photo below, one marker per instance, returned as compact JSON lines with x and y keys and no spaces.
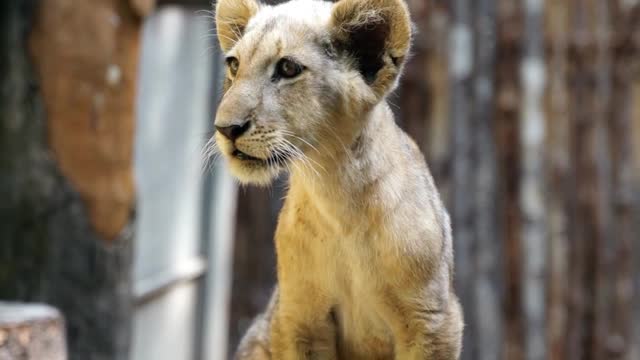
{"x":532,"y":202}
{"x":461,"y":70}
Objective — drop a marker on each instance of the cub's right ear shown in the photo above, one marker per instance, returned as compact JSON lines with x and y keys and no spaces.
{"x":377,"y":36}
{"x":232,"y":17}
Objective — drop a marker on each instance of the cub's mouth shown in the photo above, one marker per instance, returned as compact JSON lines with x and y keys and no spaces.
{"x":276,"y":158}
{"x":257,"y":169}
{"x":245,"y":157}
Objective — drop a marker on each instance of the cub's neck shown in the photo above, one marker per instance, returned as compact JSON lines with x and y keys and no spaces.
{"x":350,"y":171}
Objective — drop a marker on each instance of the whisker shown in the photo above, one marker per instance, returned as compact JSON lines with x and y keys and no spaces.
{"x":210,"y":153}
{"x":289,"y":133}
{"x":305,"y":159}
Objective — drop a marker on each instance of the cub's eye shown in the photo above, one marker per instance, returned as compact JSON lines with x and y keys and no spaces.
{"x":288,"y":69}
{"x":233,"y":65}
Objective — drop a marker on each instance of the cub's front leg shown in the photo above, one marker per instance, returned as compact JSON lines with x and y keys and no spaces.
{"x":302,"y":328}
{"x":425,"y":332}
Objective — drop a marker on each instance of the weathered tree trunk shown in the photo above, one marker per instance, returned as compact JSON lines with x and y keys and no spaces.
{"x":66,"y":139}
{"x":508,"y":100}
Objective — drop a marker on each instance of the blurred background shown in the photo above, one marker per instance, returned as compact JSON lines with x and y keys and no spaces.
{"x":528,"y":113}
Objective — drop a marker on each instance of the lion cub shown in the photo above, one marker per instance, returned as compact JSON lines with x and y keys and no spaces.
{"x":363,"y":241}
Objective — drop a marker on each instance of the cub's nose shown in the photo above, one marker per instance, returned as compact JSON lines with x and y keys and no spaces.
{"x":234,"y":131}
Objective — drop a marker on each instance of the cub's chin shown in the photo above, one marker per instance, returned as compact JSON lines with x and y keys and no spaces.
{"x":252,"y":171}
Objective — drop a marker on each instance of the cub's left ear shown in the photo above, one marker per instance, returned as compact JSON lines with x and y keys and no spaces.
{"x":377,"y":35}
{"x":232,"y":17}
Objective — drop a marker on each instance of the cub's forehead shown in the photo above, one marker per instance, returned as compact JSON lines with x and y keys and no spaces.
{"x":315,"y":14}
{"x":286,"y":29}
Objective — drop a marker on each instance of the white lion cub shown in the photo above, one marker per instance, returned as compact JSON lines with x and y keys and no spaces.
{"x":363,"y":241}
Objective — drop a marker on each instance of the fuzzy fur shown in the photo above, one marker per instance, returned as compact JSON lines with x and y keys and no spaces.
{"x":363,"y":241}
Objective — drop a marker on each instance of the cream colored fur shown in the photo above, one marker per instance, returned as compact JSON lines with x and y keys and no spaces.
{"x":363,"y":242}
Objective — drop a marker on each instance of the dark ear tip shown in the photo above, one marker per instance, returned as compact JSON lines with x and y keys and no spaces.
{"x":377,"y":35}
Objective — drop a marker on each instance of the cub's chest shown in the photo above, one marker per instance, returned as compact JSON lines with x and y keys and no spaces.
{"x":349,"y":266}
{"x":349,"y":270}
{"x":358,"y":313}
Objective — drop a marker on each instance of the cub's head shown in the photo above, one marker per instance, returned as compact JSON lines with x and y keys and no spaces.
{"x":301,"y":77}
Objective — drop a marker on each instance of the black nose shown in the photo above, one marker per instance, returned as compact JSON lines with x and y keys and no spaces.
{"x":234,"y":131}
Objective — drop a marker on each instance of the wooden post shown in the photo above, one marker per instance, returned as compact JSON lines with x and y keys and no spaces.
{"x":559,"y":172}
{"x":508,"y":104}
